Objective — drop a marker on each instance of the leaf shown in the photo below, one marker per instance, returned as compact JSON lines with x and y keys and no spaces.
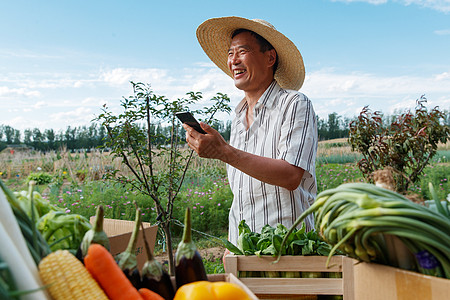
{"x":263,"y":243}
{"x":276,"y":242}
{"x":270,"y":251}
{"x":243,"y":227}
{"x":233,"y":249}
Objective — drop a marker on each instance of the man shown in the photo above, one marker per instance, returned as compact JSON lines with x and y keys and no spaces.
{"x":271,"y":155}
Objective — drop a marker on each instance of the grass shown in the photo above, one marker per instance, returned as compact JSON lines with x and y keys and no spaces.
{"x":75,"y":186}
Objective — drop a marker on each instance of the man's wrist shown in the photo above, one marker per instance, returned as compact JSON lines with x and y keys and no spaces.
{"x":230,"y":155}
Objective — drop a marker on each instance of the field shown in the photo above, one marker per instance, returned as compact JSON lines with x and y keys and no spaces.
{"x":74,"y":181}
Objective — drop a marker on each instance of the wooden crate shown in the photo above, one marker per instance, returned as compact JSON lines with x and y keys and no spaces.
{"x":292,"y":288}
{"x":373,"y":281}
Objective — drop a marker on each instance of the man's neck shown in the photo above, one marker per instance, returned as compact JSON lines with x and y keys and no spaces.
{"x":252,"y":97}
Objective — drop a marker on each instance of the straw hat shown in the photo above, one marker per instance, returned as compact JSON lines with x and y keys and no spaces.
{"x":214,"y":35}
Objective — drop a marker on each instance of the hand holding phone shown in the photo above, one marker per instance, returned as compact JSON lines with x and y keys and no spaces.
{"x":187,"y":118}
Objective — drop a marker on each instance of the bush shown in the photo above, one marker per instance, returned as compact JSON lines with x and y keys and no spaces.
{"x":405,"y":146}
{"x":40,"y":178}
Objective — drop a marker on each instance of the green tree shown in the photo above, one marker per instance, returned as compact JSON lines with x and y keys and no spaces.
{"x":405,"y":146}
{"x":50,"y":135}
{"x":27,"y":134}
{"x":38,"y":139}
{"x":16,"y":139}
{"x":134,"y":135}
{"x":9,"y":134}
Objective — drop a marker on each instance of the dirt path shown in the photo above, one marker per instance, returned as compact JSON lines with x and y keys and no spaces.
{"x":211,"y":254}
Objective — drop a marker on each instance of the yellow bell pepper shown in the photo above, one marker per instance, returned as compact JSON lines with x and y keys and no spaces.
{"x":205,"y":290}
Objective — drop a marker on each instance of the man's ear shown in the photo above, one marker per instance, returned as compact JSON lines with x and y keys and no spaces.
{"x":272,"y":57}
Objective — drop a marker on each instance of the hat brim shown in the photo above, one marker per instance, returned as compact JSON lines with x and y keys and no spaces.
{"x":214,"y":36}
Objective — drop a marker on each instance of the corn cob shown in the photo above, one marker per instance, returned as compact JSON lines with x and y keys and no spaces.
{"x":68,"y":278}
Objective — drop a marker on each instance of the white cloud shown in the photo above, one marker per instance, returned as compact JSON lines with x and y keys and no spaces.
{"x":39,"y":104}
{"x":439,"y":5}
{"x":121,"y":76}
{"x":346,"y":94}
{"x":77,"y":117}
{"x":376,"y":2}
{"x":92,"y":101}
{"x":15,"y":92}
{"x":442,"y":32}
{"x":329,"y":90}
{"x":442,"y":76}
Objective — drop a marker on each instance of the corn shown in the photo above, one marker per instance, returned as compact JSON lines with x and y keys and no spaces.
{"x":67,"y":278}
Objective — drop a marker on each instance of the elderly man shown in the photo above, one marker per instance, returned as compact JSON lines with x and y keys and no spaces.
{"x":271,"y":155}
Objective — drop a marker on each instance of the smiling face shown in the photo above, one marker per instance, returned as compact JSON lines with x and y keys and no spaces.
{"x":252,"y":69}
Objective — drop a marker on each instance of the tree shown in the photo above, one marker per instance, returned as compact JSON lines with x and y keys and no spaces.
{"x":333,"y":125}
{"x":38,"y":138}
{"x":9,"y":134}
{"x":50,"y":137}
{"x":27,"y":133}
{"x":134,"y":135}
{"x":405,"y":146}
{"x":16,"y":139}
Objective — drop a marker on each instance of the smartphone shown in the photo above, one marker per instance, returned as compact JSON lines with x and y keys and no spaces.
{"x":187,"y":118}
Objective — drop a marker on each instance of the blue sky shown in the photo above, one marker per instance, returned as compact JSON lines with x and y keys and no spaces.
{"x":60,"y":61}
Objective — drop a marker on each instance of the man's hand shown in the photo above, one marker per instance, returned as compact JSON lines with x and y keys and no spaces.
{"x":209,"y":145}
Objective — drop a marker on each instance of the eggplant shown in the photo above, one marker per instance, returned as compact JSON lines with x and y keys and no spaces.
{"x":154,"y":276}
{"x":95,"y":235}
{"x":127,"y":260}
{"x":188,"y":262}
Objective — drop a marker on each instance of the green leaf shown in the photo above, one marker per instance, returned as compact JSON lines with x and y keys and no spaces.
{"x":233,"y":249}
{"x":276,"y":242}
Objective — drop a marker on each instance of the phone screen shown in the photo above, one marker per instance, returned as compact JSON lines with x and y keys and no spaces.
{"x":187,"y":118}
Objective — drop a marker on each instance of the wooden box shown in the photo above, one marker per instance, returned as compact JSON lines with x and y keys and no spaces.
{"x":374,"y":281}
{"x":368,"y":281}
{"x":294,"y":288}
{"x":119,"y":234}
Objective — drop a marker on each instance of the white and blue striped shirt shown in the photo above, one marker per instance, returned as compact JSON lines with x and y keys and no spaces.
{"x":284,"y":127}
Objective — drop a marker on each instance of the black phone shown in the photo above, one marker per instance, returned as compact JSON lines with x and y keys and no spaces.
{"x":187,"y":118}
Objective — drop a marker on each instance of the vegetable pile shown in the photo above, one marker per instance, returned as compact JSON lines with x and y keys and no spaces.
{"x":268,"y":242}
{"x":373,"y":224}
{"x":83,"y":267}
{"x":60,"y":230}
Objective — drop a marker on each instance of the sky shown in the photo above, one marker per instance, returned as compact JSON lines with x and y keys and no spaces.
{"x":61,"y":61}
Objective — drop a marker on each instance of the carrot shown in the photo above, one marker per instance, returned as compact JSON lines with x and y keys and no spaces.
{"x":149,"y":294}
{"x":102,"y":266}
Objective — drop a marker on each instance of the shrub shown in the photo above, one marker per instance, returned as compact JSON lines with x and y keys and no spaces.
{"x":40,"y":178}
{"x":405,"y":146}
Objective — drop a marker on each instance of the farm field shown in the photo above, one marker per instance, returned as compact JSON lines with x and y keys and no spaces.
{"x":73,"y":181}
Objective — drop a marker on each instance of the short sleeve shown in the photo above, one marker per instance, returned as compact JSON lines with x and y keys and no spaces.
{"x":298,"y":137}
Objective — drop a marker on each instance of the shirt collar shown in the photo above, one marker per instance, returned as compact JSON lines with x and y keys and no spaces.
{"x":267,"y":99}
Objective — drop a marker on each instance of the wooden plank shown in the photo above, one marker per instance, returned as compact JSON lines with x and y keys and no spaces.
{"x":288,"y":263}
{"x":348,"y":282}
{"x":231,"y":264}
{"x":300,"y":286}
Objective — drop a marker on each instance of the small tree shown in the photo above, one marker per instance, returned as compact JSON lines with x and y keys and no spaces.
{"x":405,"y":146}
{"x":132,"y":137}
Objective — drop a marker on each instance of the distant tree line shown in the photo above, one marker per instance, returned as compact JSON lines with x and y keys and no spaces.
{"x":82,"y":137}
{"x":92,"y":136}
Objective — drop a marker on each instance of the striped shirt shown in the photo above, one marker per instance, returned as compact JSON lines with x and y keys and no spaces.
{"x":284,"y":127}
